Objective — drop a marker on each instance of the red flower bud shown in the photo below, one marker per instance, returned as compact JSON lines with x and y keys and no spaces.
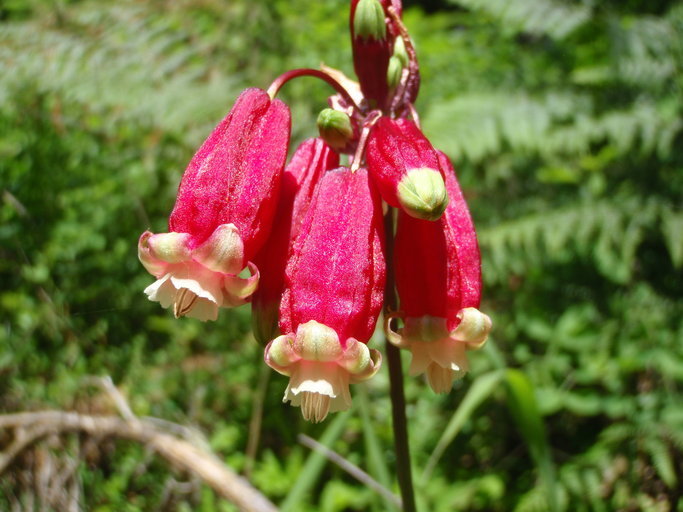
{"x":372,"y":38}
{"x":333,"y":294}
{"x":299,"y":184}
{"x":406,"y":168}
{"x":223,"y":211}
{"x":438,"y":276}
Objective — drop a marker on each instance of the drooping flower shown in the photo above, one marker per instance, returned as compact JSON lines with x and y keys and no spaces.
{"x":223,"y":212}
{"x":333,"y":294}
{"x":406,"y":168}
{"x":438,"y":276}
{"x":299,"y":184}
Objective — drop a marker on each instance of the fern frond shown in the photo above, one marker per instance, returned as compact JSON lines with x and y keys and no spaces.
{"x":675,"y":435}
{"x":672,"y":229}
{"x":647,"y":49}
{"x":123,"y":58}
{"x":661,"y":459}
{"x":475,"y":126}
{"x":557,"y":125}
{"x":542,"y":17}
{"x":533,"y":501}
{"x":604,"y":230}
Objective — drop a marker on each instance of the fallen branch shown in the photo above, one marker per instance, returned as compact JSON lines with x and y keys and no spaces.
{"x":31,"y":426}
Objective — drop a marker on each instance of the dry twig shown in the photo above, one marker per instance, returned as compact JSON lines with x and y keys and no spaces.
{"x":29,"y":427}
{"x":350,"y":468}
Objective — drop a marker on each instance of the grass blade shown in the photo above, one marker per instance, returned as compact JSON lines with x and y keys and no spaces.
{"x":480,"y":390}
{"x":314,"y":465}
{"x":373,"y":447}
{"x":524,"y":409}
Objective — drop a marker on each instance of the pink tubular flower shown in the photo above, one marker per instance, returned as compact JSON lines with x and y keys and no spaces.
{"x":299,"y":184}
{"x":438,"y":275}
{"x":406,"y":168}
{"x":223,"y":212}
{"x":333,"y":294}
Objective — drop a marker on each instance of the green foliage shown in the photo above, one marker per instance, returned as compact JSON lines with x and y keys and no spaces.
{"x":480,"y":391}
{"x":544,"y":17}
{"x":310,"y":473}
{"x":564,"y":120}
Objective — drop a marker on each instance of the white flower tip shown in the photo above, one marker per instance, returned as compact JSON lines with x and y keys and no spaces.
{"x":436,"y":353}
{"x":440,"y":379}
{"x":318,"y":342}
{"x":318,"y":388}
{"x":237,"y":290}
{"x":395,"y":337}
{"x":314,"y":406}
{"x":186,"y":297}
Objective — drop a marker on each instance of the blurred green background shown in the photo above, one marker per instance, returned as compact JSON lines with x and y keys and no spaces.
{"x":564,"y":120}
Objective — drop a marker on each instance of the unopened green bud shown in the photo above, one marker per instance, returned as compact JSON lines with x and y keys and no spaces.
{"x":394,"y":72}
{"x":400,"y":50}
{"x":368,"y":20}
{"x":422,"y":193}
{"x":335,"y":128}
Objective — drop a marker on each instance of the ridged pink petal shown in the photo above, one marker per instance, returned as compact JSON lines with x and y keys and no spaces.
{"x":235,"y":176}
{"x":299,"y":184}
{"x":336,"y":271}
{"x":463,"y":246}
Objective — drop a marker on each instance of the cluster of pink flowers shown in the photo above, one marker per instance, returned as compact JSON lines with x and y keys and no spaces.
{"x":305,"y":243}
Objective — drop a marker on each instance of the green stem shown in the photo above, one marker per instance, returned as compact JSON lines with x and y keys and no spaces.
{"x":398,"y":401}
{"x":256,"y":419}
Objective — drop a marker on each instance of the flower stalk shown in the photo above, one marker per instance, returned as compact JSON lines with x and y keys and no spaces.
{"x":396,"y":390}
{"x":317,"y":73}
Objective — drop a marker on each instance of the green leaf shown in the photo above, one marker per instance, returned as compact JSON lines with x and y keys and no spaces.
{"x":536,"y":17}
{"x":672,"y":229}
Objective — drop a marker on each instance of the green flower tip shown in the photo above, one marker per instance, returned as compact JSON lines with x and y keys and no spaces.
{"x":400,"y":51}
{"x":335,"y":128}
{"x":394,"y":72}
{"x":422,"y":193}
{"x":368,"y":20}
